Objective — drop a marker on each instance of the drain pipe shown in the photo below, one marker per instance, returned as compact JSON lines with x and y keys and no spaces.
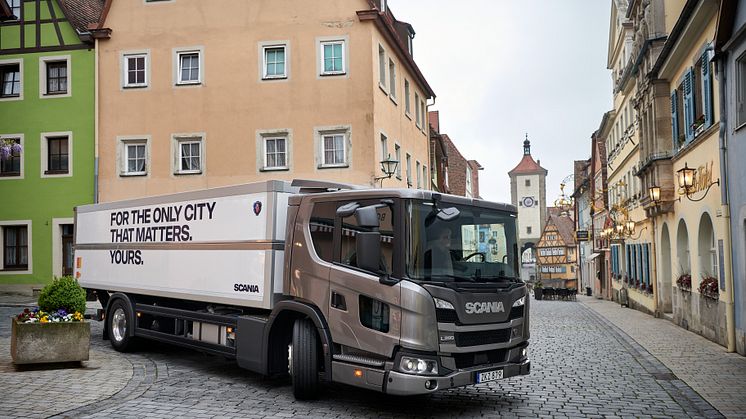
{"x":95,"y":122}
{"x":730,"y":315}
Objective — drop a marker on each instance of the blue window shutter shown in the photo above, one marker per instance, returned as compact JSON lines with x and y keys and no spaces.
{"x":647,"y":263}
{"x":674,"y":119}
{"x":707,"y":88}
{"x":688,"y":105}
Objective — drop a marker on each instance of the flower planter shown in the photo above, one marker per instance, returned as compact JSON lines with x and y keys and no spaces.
{"x":538,"y":293}
{"x":33,"y":343}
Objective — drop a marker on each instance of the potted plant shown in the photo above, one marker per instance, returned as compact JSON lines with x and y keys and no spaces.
{"x":684,"y":281}
{"x":55,"y":331}
{"x":538,"y":290}
{"x":709,"y":287}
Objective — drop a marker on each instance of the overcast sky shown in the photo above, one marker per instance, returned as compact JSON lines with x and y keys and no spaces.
{"x":504,"y":68}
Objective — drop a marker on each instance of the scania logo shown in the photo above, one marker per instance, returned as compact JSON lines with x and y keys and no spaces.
{"x":485,"y":307}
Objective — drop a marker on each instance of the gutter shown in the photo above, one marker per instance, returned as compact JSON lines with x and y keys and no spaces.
{"x":95,"y":121}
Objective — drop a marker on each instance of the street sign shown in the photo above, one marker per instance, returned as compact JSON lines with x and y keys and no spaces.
{"x":582,"y":235}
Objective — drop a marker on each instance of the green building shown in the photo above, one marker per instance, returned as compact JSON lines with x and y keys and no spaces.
{"x":47,"y":105}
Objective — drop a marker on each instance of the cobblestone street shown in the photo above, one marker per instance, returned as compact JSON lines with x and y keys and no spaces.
{"x":583,"y":365}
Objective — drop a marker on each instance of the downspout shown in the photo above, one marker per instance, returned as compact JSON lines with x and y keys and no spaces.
{"x":730,"y":315}
{"x":95,"y":123}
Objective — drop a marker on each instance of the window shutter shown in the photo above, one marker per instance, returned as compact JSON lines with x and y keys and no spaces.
{"x":707,"y":88}
{"x":688,"y":105}
{"x":674,"y":119}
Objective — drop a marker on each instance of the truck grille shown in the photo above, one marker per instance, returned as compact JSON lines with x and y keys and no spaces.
{"x":480,"y":358}
{"x":445,"y":315}
{"x":484,"y":337}
{"x":516,"y":313}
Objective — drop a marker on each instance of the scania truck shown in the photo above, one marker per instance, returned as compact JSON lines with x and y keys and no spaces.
{"x":400,"y":291}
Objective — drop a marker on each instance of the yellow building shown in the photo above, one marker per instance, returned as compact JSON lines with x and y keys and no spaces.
{"x":692,"y":232}
{"x":195,"y":94}
{"x":556,"y":251}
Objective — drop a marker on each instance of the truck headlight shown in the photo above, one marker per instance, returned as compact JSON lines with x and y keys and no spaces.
{"x":443,"y":304}
{"x":418,"y":366}
{"x":519,"y":302}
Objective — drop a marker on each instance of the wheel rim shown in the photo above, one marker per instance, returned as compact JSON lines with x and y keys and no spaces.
{"x":119,"y":324}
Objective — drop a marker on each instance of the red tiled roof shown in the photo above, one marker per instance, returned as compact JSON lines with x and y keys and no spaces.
{"x":82,"y":13}
{"x":565,"y":225}
{"x":527,"y":166}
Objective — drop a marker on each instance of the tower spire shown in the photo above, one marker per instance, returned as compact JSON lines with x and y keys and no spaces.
{"x":527,"y":147}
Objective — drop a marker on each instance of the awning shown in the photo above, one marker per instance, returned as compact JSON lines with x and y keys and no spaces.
{"x":593,"y":256}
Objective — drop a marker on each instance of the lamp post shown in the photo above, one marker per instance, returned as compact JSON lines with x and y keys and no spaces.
{"x":686,"y":182}
{"x":388,"y":167}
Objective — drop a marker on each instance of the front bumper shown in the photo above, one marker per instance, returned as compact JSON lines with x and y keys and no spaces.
{"x":409,"y":385}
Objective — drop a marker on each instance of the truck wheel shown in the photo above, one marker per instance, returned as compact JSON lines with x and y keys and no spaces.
{"x":119,"y":324}
{"x":304,"y":360}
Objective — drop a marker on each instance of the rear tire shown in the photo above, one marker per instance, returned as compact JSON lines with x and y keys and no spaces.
{"x":119,"y":323}
{"x":304,"y":360}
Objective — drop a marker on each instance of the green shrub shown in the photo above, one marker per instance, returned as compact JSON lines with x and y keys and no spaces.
{"x":63,"y":293}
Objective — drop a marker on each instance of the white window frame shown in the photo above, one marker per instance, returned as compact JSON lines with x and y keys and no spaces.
{"x":392,"y":80}
{"x":397,"y":156}
{"x":418,"y":115}
{"x":43,"y":76}
{"x":740,"y":93}
{"x":263,"y":47}
{"x":122,"y":143}
{"x":425,"y":177}
{"x":261,"y":144}
{"x":177,"y":53}
{"x":13,"y":223}
{"x":382,"y":68}
{"x":186,"y":138}
{"x":418,"y":174}
{"x":407,"y":100}
{"x":334,"y":41}
{"x":384,"y":145}
{"x":125,"y":69}
{"x":57,"y":244}
{"x":409,"y":170}
{"x":23,"y":155}
{"x":44,"y":147}
{"x":321,"y":132}
{"x":423,"y":109}
{"x":18,"y":61}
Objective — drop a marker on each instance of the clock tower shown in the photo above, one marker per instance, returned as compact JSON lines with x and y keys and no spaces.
{"x":528,"y":194}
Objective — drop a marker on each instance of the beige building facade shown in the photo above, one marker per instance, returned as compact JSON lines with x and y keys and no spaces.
{"x":194,"y":95}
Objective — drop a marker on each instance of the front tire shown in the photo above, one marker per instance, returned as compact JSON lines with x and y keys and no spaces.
{"x":119,"y":321}
{"x":304,"y":360}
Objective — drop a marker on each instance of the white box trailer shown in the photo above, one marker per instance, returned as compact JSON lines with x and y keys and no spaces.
{"x":223,"y":245}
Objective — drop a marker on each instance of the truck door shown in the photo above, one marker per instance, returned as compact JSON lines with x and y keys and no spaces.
{"x":363,"y":313}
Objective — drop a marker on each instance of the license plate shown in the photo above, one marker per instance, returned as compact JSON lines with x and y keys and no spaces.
{"x":487,"y":376}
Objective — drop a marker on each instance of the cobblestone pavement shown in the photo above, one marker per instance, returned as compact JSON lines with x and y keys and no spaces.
{"x":718,"y":376}
{"x":582,"y":366}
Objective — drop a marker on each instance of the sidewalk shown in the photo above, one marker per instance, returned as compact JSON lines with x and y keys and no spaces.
{"x":718,"y":376}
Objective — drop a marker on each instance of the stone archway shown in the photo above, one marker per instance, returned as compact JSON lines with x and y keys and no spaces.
{"x":528,"y":262}
{"x":665,"y":276}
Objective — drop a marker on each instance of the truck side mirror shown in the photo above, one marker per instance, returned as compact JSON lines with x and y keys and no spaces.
{"x":448,"y":214}
{"x":367,"y":216}
{"x":368,"y":250}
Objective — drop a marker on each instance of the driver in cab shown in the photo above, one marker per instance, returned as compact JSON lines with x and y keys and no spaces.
{"x":438,"y":257}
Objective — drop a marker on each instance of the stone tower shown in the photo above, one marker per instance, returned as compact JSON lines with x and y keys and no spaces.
{"x":528,"y":193}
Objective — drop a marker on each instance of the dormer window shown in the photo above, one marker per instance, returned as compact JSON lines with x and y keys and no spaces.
{"x":410,"y":44}
{"x":383,"y":6}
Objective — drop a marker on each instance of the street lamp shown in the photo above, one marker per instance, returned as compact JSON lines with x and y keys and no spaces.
{"x":686,"y":182}
{"x":655,"y":194}
{"x":388,"y":167}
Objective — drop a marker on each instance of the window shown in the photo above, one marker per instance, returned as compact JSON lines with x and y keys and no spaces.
{"x":56,"y":77}
{"x":381,"y":67}
{"x":528,"y":182}
{"x":12,"y":166}
{"x":275,"y":152}
{"x":469,"y":192}
{"x":407,"y":103}
{"x":409,"y":171}
{"x":10,"y":76}
{"x":425,"y":177}
{"x":135,"y":70}
{"x":189,"y":154}
{"x":741,"y":90}
{"x":417,"y":108}
{"x":15,"y":247}
{"x":58,"y":154}
{"x":423,"y":109}
{"x":528,"y":230}
{"x":692,"y":109}
{"x":321,"y":226}
{"x":189,"y":70}
{"x":334,"y":149}
{"x":392,"y":79}
{"x":397,"y":154}
{"x":134,"y":157}
{"x":384,"y":147}
{"x":274,"y":62}
{"x":67,"y":248}
{"x":419,"y":179}
{"x":350,"y":228}
{"x":332,"y":57}
{"x":15,"y":8}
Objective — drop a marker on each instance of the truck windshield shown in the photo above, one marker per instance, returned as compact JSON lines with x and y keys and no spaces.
{"x":478,"y":245}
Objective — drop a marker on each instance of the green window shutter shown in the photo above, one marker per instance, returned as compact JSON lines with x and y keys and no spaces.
{"x":674,"y":119}
{"x":707,"y":88}
{"x":688,"y":105}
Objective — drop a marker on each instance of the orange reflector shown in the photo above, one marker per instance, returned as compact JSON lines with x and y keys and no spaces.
{"x":229,"y":330}
{"x":78,"y":262}
{"x":358,"y":373}
{"x":139,"y":314}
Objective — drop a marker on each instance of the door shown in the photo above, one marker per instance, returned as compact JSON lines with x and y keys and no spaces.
{"x":67,"y":249}
{"x":364,"y":313}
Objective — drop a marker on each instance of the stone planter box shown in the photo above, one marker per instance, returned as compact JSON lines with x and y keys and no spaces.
{"x":33,"y":343}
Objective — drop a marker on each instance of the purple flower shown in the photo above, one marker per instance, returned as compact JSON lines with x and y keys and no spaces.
{"x":4,"y":152}
{"x":61,"y":312}
{"x":16,"y":148}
